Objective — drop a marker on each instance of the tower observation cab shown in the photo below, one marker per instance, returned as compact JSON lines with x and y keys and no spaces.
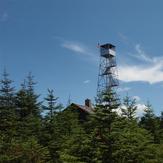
{"x":107,"y":50}
{"x":107,"y":78}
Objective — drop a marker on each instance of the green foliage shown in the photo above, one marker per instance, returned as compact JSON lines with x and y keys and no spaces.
{"x":103,"y":118}
{"x":28,"y":110}
{"x":6,"y":91}
{"x":129,"y":108}
{"x":52,"y":106}
{"x":34,"y":106}
{"x":28,"y":135}
{"x":133,"y":144}
{"x":151,"y":123}
{"x":24,"y":151}
{"x":7,"y":106}
{"x":77,"y":144}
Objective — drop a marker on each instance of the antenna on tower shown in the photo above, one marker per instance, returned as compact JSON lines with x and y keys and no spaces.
{"x":69,"y":100}
{"x":108,"y":73}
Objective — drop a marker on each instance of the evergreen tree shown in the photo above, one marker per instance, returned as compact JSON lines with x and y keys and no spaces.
{"x":149,"y":122}
{"x":52,"y":128}
{"x":27,"y":100}
{"x":103,"y":119}
{"x":21,"y":101}
{"x":24,"y":151}
{"x":52,"y":106}
{"x":32,"y":97}
{"x":161,"y":128}
{"x":7,"y":106}
{"x":133,"y":144}
{"x":77,"y":145}
{"x":161,"y":120}
{"x":7,"y":91}
{"x":129,"y":108}
{"x":28,"y":110}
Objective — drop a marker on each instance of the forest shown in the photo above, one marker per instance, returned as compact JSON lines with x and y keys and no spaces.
{"x":34,"y":131}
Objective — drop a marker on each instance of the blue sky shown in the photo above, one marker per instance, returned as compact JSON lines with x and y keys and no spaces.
{"x":57,"y":40}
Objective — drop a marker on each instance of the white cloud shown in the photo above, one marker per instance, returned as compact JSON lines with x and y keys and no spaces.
{"x":86,"y":81}
{"x":141,"y":55}
{"x":137,"y":98}
{"x":78,"y":48}
{"x":152,"y":74}
{"x":74,"y":47}
{"x":125,"y":89}
{"x":140,"y":109}
{"x":150,"y":71}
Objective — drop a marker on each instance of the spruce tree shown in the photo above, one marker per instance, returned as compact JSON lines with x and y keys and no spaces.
{"x":103,"y":118}
{"x":21,"y":101}
{"x":52,"y":106}
{"x":7,"y":105}
{"x":129,"y":108}
{"x":28,"y":109}
{"x":24,"y":151}
{"x":149,"y":122}
{"x":161,"y":128}
{"x":77,"y":144}
{"x":7,"y":91}
{"x":27,"y":100}
{"x":52,"y":127}
{"x":133,"y":142}
{"x":161,"y":120}
{"x":32,"y":97}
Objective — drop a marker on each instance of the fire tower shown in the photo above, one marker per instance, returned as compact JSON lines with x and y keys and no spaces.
{"x":107,"y":78}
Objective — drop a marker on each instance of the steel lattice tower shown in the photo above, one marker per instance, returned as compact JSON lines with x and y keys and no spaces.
{"x":108,"y":76}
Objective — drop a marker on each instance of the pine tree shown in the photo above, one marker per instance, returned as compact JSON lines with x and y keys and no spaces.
{"x":149,"y":122}
{"x":77,"y":146}
{"x":21,"y":101}
{"x":52,"y":106}
{"x":32,"y":97}
{"x":133,"y":144}
{"x":7,"y":105}
{"x":27,"y":100}
{"x":129,"y":108}
{"x":28,"y":109}
{"x":103,"y":119}
{"x":52,"y":127}
{"x":24,"y":151}
{"x":161,"y":120}
{"x":6,"y":91}
{"x":161,"y":128}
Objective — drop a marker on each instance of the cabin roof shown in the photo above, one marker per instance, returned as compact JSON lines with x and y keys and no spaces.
{"x":83,"y":108}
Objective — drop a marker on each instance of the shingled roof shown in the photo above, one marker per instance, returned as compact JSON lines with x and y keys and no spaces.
{"x":83,"y":108}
